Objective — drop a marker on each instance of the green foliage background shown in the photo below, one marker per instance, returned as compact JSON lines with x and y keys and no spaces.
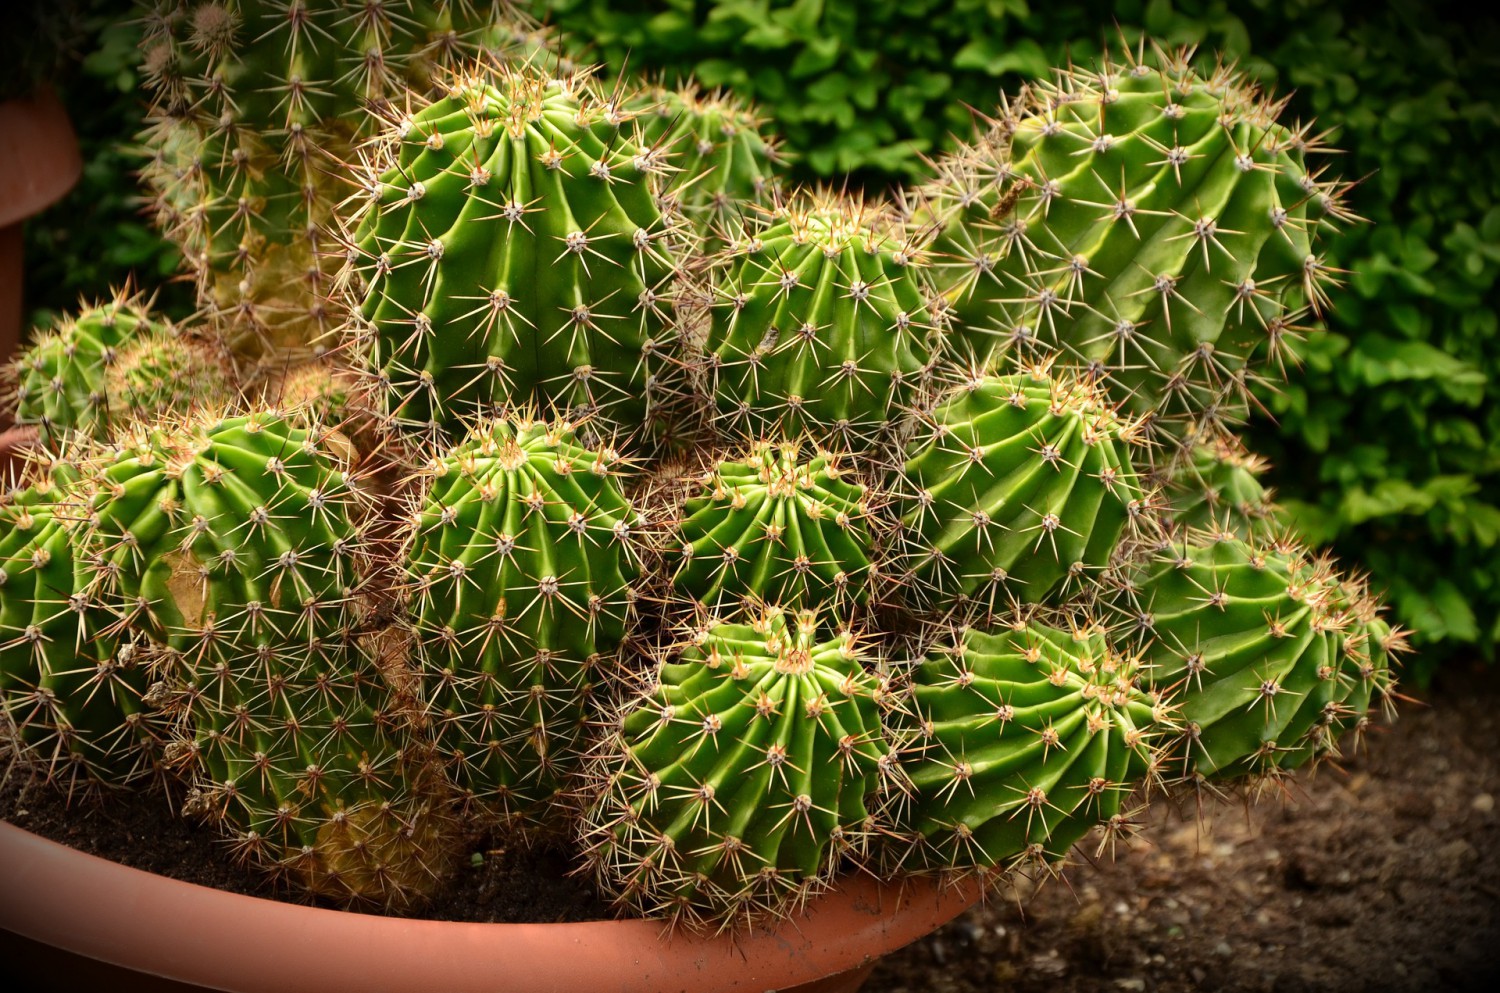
{"x":1387,"y":444}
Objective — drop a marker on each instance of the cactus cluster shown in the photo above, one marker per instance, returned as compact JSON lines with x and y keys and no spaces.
{"x":733,"y":534}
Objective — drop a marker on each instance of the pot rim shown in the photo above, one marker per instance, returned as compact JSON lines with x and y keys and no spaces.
{"x":194,"y":934}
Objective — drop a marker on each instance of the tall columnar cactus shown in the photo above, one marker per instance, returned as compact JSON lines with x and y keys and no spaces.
{"x":232,"y":546}
{"x":61,"y":382}
{"x":521,"y":558}
{"x":723,"y":158}
{"x":781,"y":523}
{"x":819,"y":321}
{"x":1017,"y":487}
{"x":1148,"y":225}
{"x":1018,"y":743}
{"x":255,"y":106}
{"x":71,"y":689}
{"x":731,"y":787}
{"x":509,"y":248}
{"x":1268,"y":653}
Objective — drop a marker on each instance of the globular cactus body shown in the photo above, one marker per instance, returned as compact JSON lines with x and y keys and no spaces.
{"x":819,"y":322}
{"x":1016,"y":486}
{"x":1149,"y":226}
{"x":1268,"y":654}
{"x":1216,"y":487}
{"x":511,"y":250}
{"x":1018,"y":743}
{"x":521,"y":559}
{"x":734,"y":784}
{"x":724,"y":160}
{"x":62,"y":382}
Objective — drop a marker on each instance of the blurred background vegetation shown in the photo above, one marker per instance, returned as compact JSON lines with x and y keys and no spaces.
{"x":1386,"y":445}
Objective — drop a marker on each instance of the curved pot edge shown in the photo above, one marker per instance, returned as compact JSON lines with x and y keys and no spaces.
{"x":218,"y":940}
{"x":41,"y":162}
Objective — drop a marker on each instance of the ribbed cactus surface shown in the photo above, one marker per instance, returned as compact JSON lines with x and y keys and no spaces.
{"x":1149,"y":225}
{"x":521,"y":555}
{"x":1020,"y":742}
{"x":819,"y":321}
{"x":732,"y":786}
{"x":1268,"y":653}
{"x":510,"y":249}
{"x":1016,"y":487}
{"x":780,"y":523}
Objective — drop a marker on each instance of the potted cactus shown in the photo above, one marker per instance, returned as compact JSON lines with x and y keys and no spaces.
{"x":800,"y":562}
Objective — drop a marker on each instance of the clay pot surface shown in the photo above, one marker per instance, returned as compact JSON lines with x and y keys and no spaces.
{"x":158,"y":929}
{"x":39,"y":163}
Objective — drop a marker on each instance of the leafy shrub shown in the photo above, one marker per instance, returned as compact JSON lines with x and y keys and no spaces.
{"x":1400,"y":406}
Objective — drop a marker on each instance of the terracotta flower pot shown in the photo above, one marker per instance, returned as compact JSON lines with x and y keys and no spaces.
{"x":39,"y":162}
{"x":71,"y":918}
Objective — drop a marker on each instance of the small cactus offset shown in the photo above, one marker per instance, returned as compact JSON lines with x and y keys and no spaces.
{"x":509,"y":248}
{"x":733,"y":784}
{"x":781,"y":523}
{"x":1018,"y":743}
{"x":1150,"y":226}
{"x":723,"y":158}
{"x":819,"y":322}
{"x":1017,"y":487}
{"x":521,"y":553}
{"x":1216,"y":486}
{"x":73,"y":378}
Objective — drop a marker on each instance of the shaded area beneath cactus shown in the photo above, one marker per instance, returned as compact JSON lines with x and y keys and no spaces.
{"x":505,"y":885}
{"x":1382,"y":877}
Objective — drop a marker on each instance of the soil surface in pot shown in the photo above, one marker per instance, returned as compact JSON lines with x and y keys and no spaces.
{"x":1382,"y":876}
{"x":503,"y":885}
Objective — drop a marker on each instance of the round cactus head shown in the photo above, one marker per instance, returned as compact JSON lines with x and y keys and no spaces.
{"x":521,"y":559}
{"x":60,"y":382}
{"x":778,"y":523}
{"x":1018,"y":743}
{"x":735,"y":782}
{"x":1268,"y":653}
{"x":1017,"y":488}
{"x":819,"y":321}
{"x":1150,"y":225}
{"x":510,"y":249}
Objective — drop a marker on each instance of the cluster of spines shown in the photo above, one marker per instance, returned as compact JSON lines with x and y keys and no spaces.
{"x":1151,"y":227}
{"x":509,"y":247}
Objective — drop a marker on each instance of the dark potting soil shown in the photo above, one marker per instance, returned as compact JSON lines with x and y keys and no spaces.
{"x":500,"y":885}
